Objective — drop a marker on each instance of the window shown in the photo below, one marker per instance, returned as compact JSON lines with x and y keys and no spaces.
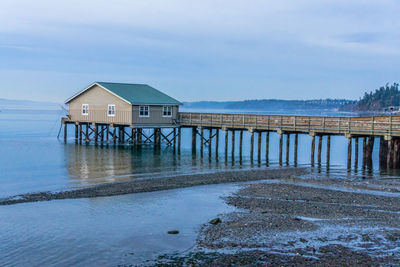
{"x":144,"y":111}
{"x":167,"y":111}
{"x":111,"y":111}
{"x":85,"y":109}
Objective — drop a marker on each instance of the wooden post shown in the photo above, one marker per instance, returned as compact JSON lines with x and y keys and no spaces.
{"x":259,"y":146}
{"x":251,"y":145}
{"x":356,"y":151}
{"x":319,"y":148}
{"x":312,"y":150}
{"x":383,"y":153}
{"x":194,"y":138}
{"x":96,"y":133}
{"x":396,"y":154}
{"x":174,"y":141}
{"x":390,"y":156}
{"x":80,"y":133}
{"x":287,"y":148}
{"x":328,"y":150}
{"x":76,"y":132}
{"x":267,"y":148}
{"x":65,"y":132}
{"x":114,"y":134}
{"x":233,"y":143}
{"x":241,"y":143}
{"x":296,"y":142}
{"x":226,"y":144}
{"x":179,"y":138}
{"x":102,"y":133}
{"x":370,"y":150}
{"x":87,"y":133}
{"x":108,"y":133}
{"x":122,"y":128}
{"x":217,"y":142}
{"x":201,"y":141}
{"x":280,"y":147}
{"x":349,"y":147}
{"x":209,"y":142}
{"x":364,"y":162}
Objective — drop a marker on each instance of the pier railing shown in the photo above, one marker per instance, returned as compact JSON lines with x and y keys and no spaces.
{"x":373,"y":125}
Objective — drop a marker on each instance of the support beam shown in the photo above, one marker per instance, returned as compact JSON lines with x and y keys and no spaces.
{"x":383,"y":153}
{"x":201,"y":141}
{"x":96,"y":133}
{"x":80,"y":133}
{"x":370,"y":150}
{"x":194,"y":139}
{"x":241,"y":143}
{"x":396,"y":154}
{"x":217,"y":142}
{"x":233,"y":143}
{"x":226,"y":144}
{"x":174,"y":136}
{"x":76,"y":131}
{"x":179,"y":138}
{"x":114,"y":134}
{"x":364,"y":162}
{"x":108,"y":133}
{"x":210,"y":136}
{"x":390,"y":156}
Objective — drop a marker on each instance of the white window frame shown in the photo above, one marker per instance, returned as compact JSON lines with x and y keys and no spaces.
{"x":108,"y":110}
{"x":83,"y":110}
{"x":144,"y":111}
{"x":166,"y":110}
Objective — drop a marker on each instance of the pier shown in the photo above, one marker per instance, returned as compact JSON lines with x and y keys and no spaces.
{"x":355,"y":129}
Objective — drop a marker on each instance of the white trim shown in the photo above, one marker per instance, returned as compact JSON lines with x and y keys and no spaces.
{"x":108,"y":110}
{"x":85,"y":114}
{"x":166,"y":116}
{"x":89,"y":87}
{"x":148,"y":113}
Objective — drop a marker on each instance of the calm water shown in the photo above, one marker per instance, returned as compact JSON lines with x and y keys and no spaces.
{"x":120,"y":229}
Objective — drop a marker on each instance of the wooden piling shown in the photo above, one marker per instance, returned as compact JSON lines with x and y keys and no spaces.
{"x":396,"y":154}
{"x":241,"y":143}
{"x":114,"y":134}
{"x":194,"y":138}
{"x":320,"y":139}
{"x":226,"y":144}
{"x":383,"y":153}
{"x":96,"y":133}
{"x":210,"y":134}
{"x":179,"y":138}
{"x":217,"y":142}
{"x":80,"y":133}
{"x":87,"y":133}
{"x":65,"y":131}
{"x":108,"y":133}
{"x":76,"y":131}
{"x":259,"y":146}
{"x":328,"y":150}
{"x":349,"y":147}
{"x":233,"y":143}
{"x":267,"y":148}
{"x":280,"y":147}
{"x":287,"y":148}
{"x":174,"y":140}
{"x":370,"y":150}
{"x":201,"y":141}
{"x":356,"y":152}
{"x":390,"y":157}
{"x":296,"y":142}
{"x":251,"y":145}
{"x":364,"y":154}
{"x":312,"y":150}
{"x":102,"y":133}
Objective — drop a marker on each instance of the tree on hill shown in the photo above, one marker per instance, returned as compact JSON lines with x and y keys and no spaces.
{"x":379,"y":100}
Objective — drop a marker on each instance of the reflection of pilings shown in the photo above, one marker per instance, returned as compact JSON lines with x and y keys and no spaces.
{"x":287,"y":148}
{"x":296,"y":143}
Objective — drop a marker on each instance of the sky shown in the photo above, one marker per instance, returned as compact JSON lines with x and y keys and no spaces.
{"x":200,"y":50}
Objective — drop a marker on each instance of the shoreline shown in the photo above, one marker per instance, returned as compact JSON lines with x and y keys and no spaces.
{"x":158,"y":184}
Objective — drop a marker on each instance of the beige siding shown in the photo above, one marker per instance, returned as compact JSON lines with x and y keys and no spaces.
{"x":98,"y":100}
{"x":155,"y":116}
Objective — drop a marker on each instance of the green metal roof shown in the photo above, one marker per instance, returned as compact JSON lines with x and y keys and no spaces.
{"x":139,"y":93}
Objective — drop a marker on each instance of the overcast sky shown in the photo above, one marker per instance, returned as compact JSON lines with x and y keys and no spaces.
{"x":200,"y":50}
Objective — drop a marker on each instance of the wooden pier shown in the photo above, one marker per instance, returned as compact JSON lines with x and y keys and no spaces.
{"x":386,"y":128}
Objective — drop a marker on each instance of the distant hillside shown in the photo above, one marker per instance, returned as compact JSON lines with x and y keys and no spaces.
{"x":380,"y":100}
{"x":26,"y":104}
{"x":272,"y":104}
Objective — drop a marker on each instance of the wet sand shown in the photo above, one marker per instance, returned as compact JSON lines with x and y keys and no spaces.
{"x":298,"y":222}
{"x":156,"y":184}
